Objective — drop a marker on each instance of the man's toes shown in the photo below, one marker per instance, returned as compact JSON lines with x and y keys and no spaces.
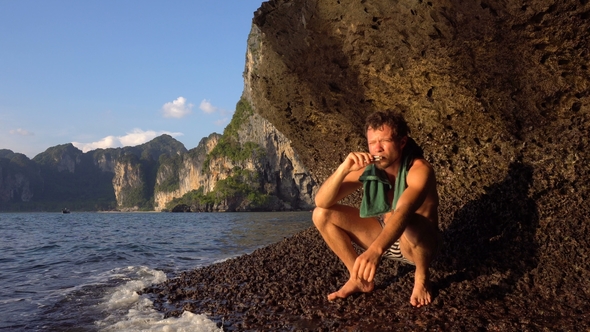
{"x":419,"y":301}
{"x":335,"y":295}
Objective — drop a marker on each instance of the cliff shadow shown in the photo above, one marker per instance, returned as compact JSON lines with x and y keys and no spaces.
{"x":493,"y":236}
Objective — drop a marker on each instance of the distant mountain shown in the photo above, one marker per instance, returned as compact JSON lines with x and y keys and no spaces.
{"x":63,"y":176}
{"x":19,"y":179}
{"x":250,"y":167}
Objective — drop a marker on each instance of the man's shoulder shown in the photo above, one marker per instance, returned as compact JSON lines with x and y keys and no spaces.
{"x":421,"y":166}
{"x":420,"y":161}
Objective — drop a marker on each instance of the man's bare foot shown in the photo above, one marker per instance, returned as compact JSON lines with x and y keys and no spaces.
{"x":350,"y":287}
{"x":421,"y":294}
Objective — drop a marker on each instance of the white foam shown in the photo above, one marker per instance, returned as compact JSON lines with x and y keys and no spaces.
{"x":128,"y":311}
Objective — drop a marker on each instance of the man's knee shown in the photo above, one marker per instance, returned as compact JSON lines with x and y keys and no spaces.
{"x":424,"y":239}
{"x":320,"y":217}
{"x":420,"y":232}
{"x":423,"y":243}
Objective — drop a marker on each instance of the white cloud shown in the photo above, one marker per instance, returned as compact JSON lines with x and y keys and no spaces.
{"x":138,"y":136}
{"x":135,"y":137}
{"x":21,"y":132}
{"x":177,"y":109}
{"x":207,"y":107}
{"x":105,"y":143}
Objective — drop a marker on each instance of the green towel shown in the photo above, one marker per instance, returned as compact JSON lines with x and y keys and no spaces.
{"x":376,"y":185}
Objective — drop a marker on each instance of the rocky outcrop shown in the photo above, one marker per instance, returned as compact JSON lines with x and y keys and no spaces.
{"x":189,"y":175}
{"x":15,"y":187}
{"x":128,"y":183}
{"x":61,"y":158}
{"x":281,"y":173}
{"x":18,"y":177}
{"x":490,"y":83}
{"x":498,"y":95}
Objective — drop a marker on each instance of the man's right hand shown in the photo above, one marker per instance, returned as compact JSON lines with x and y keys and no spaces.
{"x":356,"y":160}
{"x":343,"y":181}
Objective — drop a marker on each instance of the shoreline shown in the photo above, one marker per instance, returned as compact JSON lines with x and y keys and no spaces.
{"x":283,"y":287}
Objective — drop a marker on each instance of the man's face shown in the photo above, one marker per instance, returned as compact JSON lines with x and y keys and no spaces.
{"x":381,"y":143}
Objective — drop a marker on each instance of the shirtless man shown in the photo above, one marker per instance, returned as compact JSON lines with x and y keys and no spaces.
{"x":411,"y":226}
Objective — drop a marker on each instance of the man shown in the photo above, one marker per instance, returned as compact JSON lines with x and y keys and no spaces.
{"x":401,"y":225}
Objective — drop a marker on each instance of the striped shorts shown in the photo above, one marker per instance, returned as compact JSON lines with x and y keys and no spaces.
{"x":393,"y":252}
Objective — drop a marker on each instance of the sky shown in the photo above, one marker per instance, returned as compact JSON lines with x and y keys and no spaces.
{"x":114,"y":73}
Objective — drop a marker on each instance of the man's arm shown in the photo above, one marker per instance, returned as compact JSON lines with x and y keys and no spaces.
{"x":419,"y":178}
{"x":344,"y":180}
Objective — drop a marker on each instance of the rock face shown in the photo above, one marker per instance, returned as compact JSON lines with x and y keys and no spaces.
{"x":128,"y":183}
{"x":190,"y":175}
{"x":498,"y":95}
{"x":19,"y":177}
{"x":281,"y":173}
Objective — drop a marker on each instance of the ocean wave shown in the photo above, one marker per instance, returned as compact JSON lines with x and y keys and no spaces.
{"x":129,"y":311}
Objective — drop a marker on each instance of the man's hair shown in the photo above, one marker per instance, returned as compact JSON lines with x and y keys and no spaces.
{"x":393,"y":119}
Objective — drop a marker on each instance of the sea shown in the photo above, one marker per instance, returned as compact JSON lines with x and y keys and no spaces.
{"x":82,"y":271}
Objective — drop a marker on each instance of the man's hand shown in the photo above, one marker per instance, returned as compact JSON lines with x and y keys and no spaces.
{"x":365,"y":265}
{"x":343,"y":181}
{"x":357,"y":160}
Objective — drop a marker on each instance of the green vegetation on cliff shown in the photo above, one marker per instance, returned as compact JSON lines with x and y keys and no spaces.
{"x":243,"y":112}
{"x":229,"y":145}
{"x":241,"y":191}
{"x":169,"y":168}
{"x":243,"y":185}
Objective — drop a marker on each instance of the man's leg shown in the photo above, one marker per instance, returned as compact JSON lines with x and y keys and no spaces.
{"x":339,"y":225}
{"x":420,"y":243}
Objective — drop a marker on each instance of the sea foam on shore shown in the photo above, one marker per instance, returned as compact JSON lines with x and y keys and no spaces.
{"x":128,"y":311}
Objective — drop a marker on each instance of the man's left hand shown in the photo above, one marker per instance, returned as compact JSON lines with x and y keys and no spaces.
{"x":365,"y":265}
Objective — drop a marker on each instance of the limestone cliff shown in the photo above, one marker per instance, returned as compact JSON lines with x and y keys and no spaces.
{"x":129,"y":183}
{"x":135,"y":170}
{"x":498,"y":95}
{"x":64,"y":176}
{"x":283,"y":174}
{"x":274,"y":164}
{"x":485,"y":83}
{"x":188,"y":176}
{"x":283,"y":171}
{"x":19,"y":177}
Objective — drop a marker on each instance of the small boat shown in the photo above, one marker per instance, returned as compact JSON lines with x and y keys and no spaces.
{"x":65,"y":210}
